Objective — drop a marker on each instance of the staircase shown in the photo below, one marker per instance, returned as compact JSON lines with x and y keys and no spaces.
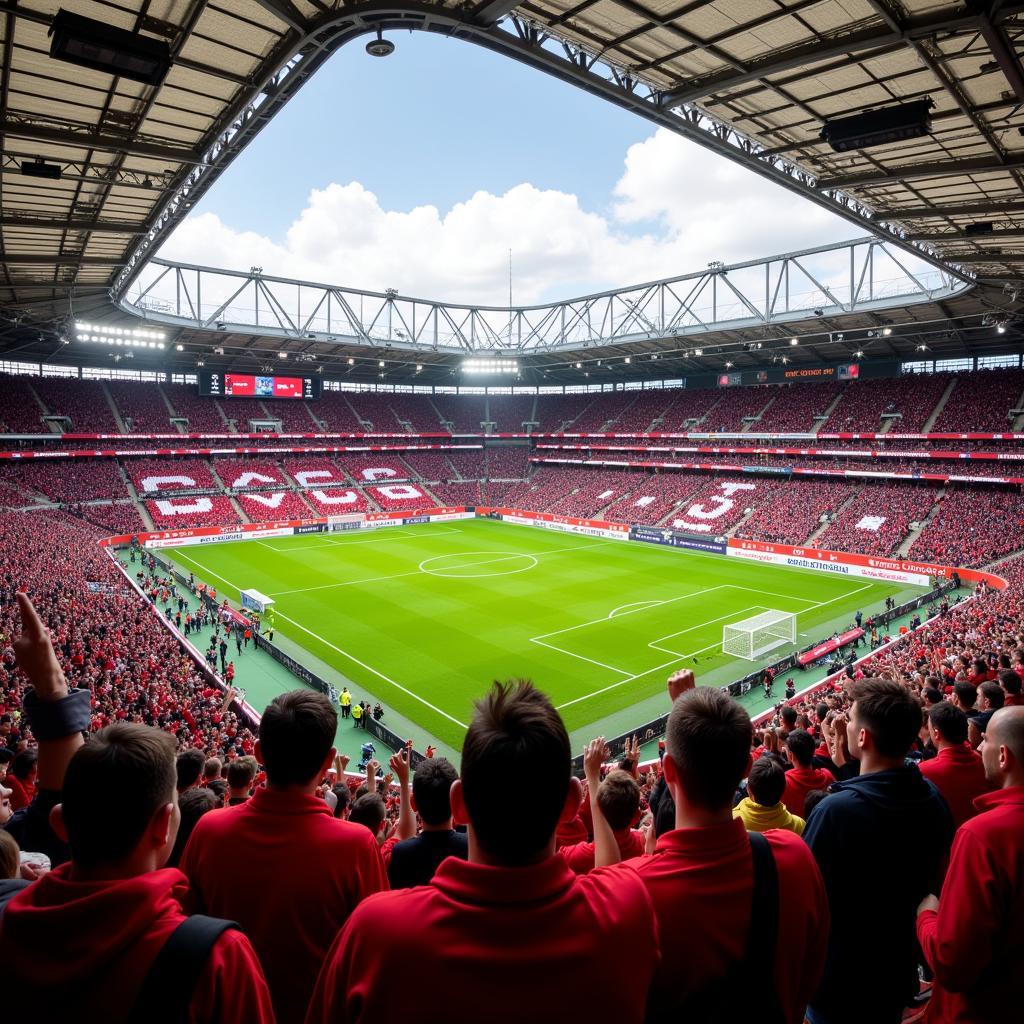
{"x":1018,"y":423}
{"x":147,"y":519}
{"x":171,"y":413}
{"x":827,"y":413}
{"x":908,"y":542}
{"x":366,"y":424}
{"x":113,"y":408}
{"x":835,"y":515}
{"x":238,"y":509}
{"x":747,"y":427}
{"x":930,"y":422}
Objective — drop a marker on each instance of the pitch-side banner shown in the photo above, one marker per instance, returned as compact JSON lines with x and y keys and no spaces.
{"x":679,"y":539}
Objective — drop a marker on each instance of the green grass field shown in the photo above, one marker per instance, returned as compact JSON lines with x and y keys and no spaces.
{"x":424,"y":617}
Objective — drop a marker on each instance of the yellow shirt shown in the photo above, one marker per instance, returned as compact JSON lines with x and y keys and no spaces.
{"x":758,"y":818}
{"x":357,"y":712}
{"x":346,"y":699}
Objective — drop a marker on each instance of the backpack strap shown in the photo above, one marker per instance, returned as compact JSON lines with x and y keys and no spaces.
{"x":763,"y":937}
{"x":167,"y":989}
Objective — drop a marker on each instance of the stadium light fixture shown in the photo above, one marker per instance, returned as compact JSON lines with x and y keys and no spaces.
{"x":794,"y":341}
{"x":698,"y":351}
{"x":728,"y":365}
{"x":380,"y":47}
{"x":103,"y":47}
{"x":104,"y":334}
{"x":879,"y":127}
{"x":351,"y":361}
{"x":282,"y":355}
{"x":380,"y":364}
{"x":39,"y":168}
{"x":859,"y":353}
{"x":419,"y":367}
{"x":179,"y":348}
{"x":886,"y":331}
{"x":579,"y":366}
{"x":627,"y":360}
{"x":1001,"y":329}
{"x":490,"y":366}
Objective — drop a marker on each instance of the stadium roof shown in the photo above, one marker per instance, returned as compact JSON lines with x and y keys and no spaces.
{"x":754,"y":80}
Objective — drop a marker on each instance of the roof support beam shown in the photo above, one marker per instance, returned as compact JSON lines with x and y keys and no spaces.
{"x":491,"y":10}
{"x":814,"y":53}
{"x":86,"y":139}
{"x":910,"y":172}
{"x":35,"y":259}
{"x":1005,"y":56}
{"x":116,"y":227}
{"x":951,"y":210}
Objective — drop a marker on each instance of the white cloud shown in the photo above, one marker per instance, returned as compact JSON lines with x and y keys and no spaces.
{"x":675,"y":208}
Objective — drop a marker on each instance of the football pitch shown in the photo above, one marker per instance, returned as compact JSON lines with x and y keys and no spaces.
{"x":423,"y":618}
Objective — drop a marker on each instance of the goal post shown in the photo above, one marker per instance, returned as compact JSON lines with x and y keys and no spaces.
{"x":751,"y":638}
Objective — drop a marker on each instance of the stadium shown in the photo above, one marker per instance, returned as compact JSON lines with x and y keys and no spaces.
{"x":670,"y":625}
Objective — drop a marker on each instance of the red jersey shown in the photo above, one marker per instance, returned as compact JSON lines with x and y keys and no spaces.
{"x":289,"y":873}
{"x":81,"y":951}
{"x":701,"y":884}
{"x":512,"y":944}
{"x":800,"y":782}
{"x":580,"y":856}
{"x":975,"y":942}
{"x":959,"y":775}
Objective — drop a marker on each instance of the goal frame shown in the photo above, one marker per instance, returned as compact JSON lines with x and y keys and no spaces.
{"x":753,"y":637}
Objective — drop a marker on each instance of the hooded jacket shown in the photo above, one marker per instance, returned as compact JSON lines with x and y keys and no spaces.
{"x":758,"y":818}
{"x":81,"y":951}
{"x":879,"y":840}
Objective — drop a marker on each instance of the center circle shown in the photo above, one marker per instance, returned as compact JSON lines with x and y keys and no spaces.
{"x":470,"y":565}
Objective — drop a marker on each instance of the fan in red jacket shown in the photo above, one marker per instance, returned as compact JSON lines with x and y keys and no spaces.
{"x":957,"y":770}
{"x":973,"y":935}
{"x":512,"y":934}
{"x":81,"y":940}
{"x":619,"y":797}
{"x":802,"y":777}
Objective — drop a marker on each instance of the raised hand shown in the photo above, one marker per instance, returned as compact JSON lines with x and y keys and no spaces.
{"x":679,"y":682}
{"x":595,"y":753}
{"x":34,"y":653}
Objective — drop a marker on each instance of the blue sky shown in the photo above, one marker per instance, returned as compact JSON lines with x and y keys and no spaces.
{"x":420,"y":171}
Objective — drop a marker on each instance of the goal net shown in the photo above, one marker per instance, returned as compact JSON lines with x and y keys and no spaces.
{"x":753,"y":637}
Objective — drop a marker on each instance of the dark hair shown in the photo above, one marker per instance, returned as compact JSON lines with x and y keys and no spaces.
{"x":1010,"y":681}
{"x":801,"y":746}
{"x":368,"y":810}
{"x":789,"y":715}
{"x":23,"y":764}
{"x":241,"y":772}
{"x":189,"y":766}
{"x":932,"y":695}
{"x":619,"y":799}
{"x":949,"y":722}
{"x":6,"y":755}
{"x":663,"y":807}
{"x":708,"y":738}
{"x":194,"y":803}
{"x":296,"y":735}
{"x":890,"y":713}
{"x":212,"y":768}
{"x":516,"y":734}
{"x":344,"y":796}
{"x":812,"y":799}
{"x":766,"y":782}
{"x":134,"y":761}
{"x":10,"y":859}
{"x":431,"y":786}
{"x":966,"y":693}
{"x":993,"y":692}
{"x":220,"y":788}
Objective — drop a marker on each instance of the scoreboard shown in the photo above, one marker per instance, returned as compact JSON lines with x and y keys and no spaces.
{"x":248,"y":385}
{"x":779,"y":375}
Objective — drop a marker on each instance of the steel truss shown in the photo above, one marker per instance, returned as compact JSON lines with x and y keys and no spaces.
{"x":850,"y":277}
{"x":530,"y":43}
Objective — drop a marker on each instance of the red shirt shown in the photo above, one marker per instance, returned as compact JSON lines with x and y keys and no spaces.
{"x":511,"y":944}
{"x":975,"y":942}
{"x":701,"y":883}
{"x":21,"y":793}
{"x":81,"y":950}
{"x":580,"y":856}
{"x":959,"y":775}
{"x":800,"y":782}
{"x":289,"y":873}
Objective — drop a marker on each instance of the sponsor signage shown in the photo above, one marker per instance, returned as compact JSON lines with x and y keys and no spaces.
{"x":807,"y":657}
{"x":311,"y":528}
{"x":414,"y":520}
{"x":678,"y":539}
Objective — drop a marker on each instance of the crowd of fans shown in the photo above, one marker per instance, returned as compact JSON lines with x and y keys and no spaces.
{"x":878,"y":519}
{"x":972,"y":528}
{"x":187,"y":513}
{"x":270,"y":505}
{"x":83,"y":402}
{"x":244,"y":473}
{"x":794,"y":512}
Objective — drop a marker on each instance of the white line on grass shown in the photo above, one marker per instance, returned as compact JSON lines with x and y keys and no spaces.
{"x":669,"y":636}
{"x":380,"y":675}
{"x":635,"y":604}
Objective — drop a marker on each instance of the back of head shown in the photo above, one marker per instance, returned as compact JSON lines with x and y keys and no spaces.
{"x":189,"y":768}
{"x":296,"y":735}
{"x":890,"y":713}
{"x":619,"y":799}
{"x":993,"y":693}
{"x":801,"y":746}
{"x":708,"y":738}
{"x":767,"y":781}
{"x":134,"y":762}
{"x":24,"y":764}
{"x":966,"y":693}
{"x":212,"y":768}
{"x":193,"y":803}
{"x":343,"y":797}
{"x":949,"y":722}
{"x":368,"y":810}
{"x":431,"y":788}
{"x":789,"y":716}
{"x":516,"y":763}
{"x":1010,"y":682}
{"x":932,"y":696}
{"x":241,"y":772}
{"x":10,"y":856}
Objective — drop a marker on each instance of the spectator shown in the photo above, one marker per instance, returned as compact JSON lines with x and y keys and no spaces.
{"x":22,"y":778}
{"x":802,"y":777}
{"x":343,"y":799}
{"x":241,"y":775}
{"x":83,"y":938}
{"x":965,"y":697}
{"x":280,"y":864}
{"x":973,"y":935}
{"x":701,"y":880}
{"x":10,"y":861}
{"x":212,"y":770}
{"x":192,"y":805}
{"x":1011,"y":683}
{"x":881,"y":837}
{"x":513,"y":893}
{"x":413,"y":861}
{"x":190,"y":769}
{"x":369,"y":811}
{"x":762,"y":808}
{"x":956,"y":769}
{"x":619,"y":799}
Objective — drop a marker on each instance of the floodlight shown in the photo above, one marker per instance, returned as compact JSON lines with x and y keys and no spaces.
{"x":879,"y":127}
{"x":102,"y":47}
{"x":39,"y":168}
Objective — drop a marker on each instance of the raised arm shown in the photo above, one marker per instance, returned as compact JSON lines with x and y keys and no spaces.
{"x":606,"y":849}
{"x":399,"y":763}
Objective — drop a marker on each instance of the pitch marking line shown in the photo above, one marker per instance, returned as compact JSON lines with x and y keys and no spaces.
{"x":667,"y":650}
{"x":635,"y":604}
{"x":337,"y":542}
{"x":344,"y":654}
